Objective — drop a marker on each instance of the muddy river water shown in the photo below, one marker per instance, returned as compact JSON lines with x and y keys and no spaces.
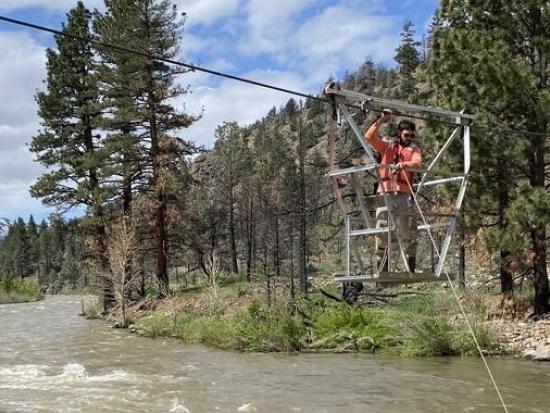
{"x":52,"y":360}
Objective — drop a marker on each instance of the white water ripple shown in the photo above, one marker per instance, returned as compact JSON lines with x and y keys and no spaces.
{"x":178,"y":407}
{"x":32,"y":376}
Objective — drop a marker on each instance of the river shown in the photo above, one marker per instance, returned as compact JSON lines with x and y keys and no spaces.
{"x":52,"y":360}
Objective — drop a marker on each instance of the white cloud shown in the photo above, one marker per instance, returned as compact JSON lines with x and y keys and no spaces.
{"x":62,"y":5}
{"x":214,"y":46}
{"x":18,"y":173}
{"x":17,"y":167}
{"x":234,"y":101}
{"x":22,"y":61}
{"x":269,"y":24}
{"x":15,"y":201}
{"x":334,"y":38}
{"x":340,"y":38}
{"x":12,"y":137}
{"x":335,"y":32}
{"x":207,"y":11}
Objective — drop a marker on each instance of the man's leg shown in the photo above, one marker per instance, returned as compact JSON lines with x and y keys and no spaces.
{"x":407,"y":228}
{"x":381,"y":240}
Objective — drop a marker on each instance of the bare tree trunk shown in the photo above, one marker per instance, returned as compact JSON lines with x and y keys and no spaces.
{"x":233,"y":241}
{"x":303,"y":220}
{"x":276,"y":255}
{"x":160,"y":207}
{"x":142,"y":285}
{"x":462,"y":267}
{"x":538,"y":235}
{"x":506,"y":276}
{"x":126,"y":207}
{"x":266,"y":273}
{"x":107,"y":287}
{"x":126,"y":181}
{"x":291,"y":247}
{"x":158,"y":186}
{"x":249,"y":238}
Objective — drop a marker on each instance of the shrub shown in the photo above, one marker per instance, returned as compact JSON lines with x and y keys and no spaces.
{"x":155,"y":326}
{"x":15,"y":290}
{"x":261,"y":328}
{"x":435,"y":336}
{"x":430,"y":336}
{"x":359,"y":328}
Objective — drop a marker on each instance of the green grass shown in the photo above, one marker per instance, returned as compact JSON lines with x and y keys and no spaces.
{"x":415,"y":304}
{"x":416,"y":325}
{"x":256,"y":329}
{"x":93,"y":312}
{"x":18,"y":290}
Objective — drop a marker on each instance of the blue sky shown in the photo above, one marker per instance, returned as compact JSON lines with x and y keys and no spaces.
{"x":295,"y":44}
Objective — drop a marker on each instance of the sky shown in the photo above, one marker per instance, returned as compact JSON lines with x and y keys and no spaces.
{"x":294,"y":44}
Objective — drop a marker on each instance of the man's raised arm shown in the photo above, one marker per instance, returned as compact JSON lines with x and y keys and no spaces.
{"x":371,"y":135}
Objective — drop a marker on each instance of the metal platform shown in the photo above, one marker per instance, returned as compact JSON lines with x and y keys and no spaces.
{"x":393,"y":278}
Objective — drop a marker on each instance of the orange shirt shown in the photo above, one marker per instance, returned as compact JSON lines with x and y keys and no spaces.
{"x":392,"y":153}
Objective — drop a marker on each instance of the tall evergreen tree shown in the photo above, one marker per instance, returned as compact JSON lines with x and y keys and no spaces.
{"x":408,"y":58}
{"x":69,"y":143}
{"x":32,"y":239}
{"x":152,"y":27}
{"x":121,"y":90}
{"x":16,"y":257}
{"x":44,"y":260}
{"x":233,"y":154}
{"x":491,"y":58}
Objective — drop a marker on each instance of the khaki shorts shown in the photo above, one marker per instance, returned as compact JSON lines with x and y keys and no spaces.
{"x":402,"y":207}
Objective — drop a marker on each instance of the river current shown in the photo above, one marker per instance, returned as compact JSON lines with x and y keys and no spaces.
{"x":52,"y":360}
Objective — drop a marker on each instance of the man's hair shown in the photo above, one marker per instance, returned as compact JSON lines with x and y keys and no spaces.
{"x":406,"y":124}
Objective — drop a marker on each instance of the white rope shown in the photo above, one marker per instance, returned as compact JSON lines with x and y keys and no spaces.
{"x":471,"y":329}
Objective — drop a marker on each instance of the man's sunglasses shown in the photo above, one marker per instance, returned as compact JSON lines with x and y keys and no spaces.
{"x":409,"y":135}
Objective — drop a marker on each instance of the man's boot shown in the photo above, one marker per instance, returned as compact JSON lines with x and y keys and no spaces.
{"x":412,"y":263}
{"x":351,"y":291}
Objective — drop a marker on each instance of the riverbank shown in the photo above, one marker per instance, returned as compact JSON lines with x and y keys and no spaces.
{"x":17,"y":290}
{"x":524,"y":337}
{"x":414,"y":321}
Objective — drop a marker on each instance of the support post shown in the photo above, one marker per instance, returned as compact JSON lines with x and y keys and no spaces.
{"x":347,"y":240}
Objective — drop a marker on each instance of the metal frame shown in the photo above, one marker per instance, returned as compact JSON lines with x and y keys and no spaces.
{"x":341,"y":99}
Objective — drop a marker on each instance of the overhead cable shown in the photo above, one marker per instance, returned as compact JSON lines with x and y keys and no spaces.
{"x":193,"y":67}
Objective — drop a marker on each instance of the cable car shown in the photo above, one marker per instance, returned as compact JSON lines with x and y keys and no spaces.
{"x":436,"y":222}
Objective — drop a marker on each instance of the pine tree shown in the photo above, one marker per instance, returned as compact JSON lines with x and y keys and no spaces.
{"x":44,"y":260}
{"x":408,"y":58}
{"x":489,"y":57}
{"x":69,"y":143}
{"x":16,"y":257}
{"x":233,"y":154}
{"x":70,"y":115}
{"x":121,"y":90}
{"x":152,"y":27}
{"x":32,"y":239}
{"x":70,"y":266}
{"x":56,"y":241}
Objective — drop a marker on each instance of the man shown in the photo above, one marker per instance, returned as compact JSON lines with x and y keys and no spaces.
{"x":398,"y":160}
